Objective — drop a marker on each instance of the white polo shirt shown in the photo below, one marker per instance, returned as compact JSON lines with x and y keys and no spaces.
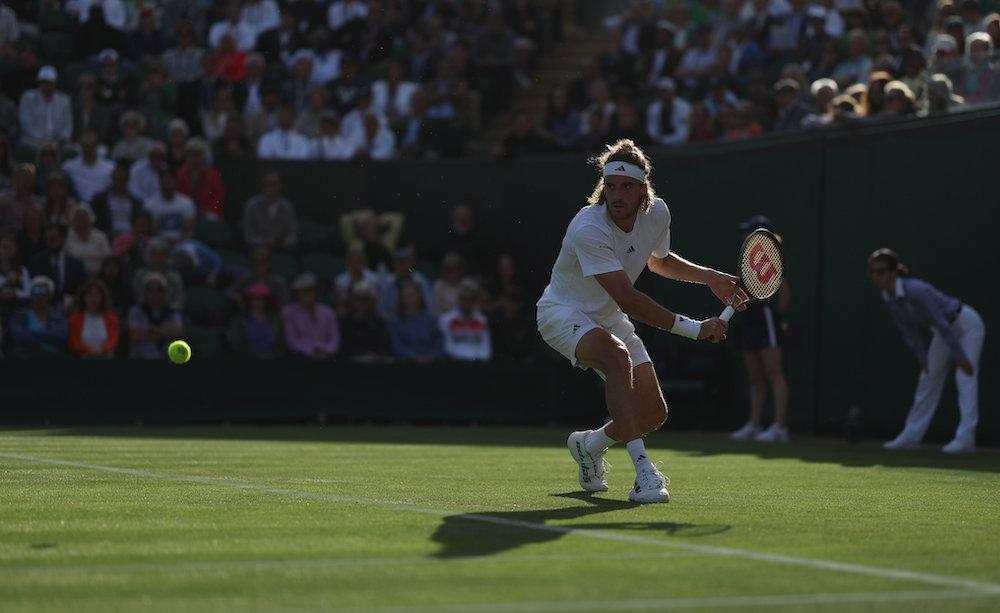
{"x":594,"y":245}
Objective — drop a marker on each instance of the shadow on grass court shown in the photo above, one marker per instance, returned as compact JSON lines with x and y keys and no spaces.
{"x":480,"y":534}
{"x":805,"y":449}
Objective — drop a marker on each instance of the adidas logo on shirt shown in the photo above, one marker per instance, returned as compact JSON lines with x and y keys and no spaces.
{"x":631,"y":249}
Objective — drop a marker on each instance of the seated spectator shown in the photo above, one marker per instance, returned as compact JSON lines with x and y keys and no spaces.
{"x":466,"y":330}
{"x":198,"y":264}
{"x":310,"y":327}
{"x":85,"y":242}
{"x":523,"y":139}
{"x":447,"y":286}
{"x":414,"y":332}
{"x":284,"y":143}
{"x":59,"y":205}
{"x":364,"y":334}
{"x":90,"y":172}
{"x":184,"y":65}
{"x":357,"y":272}
{"x":562,"y":123}
{"x":146,"y":43}
{"x":243,"y":34}
{"x":46,"y":163}
{"x":504,"y":276}
{"x":144,"y":174}
{"x":269,"y":218}
{"x":213,"y":121}
{"x":157,"y":262}
{"x":667,"y":116}
{"x":232,"y":145}
{"x":856,"y":67}
{"x":65,"y":271}
{"x":177,"y":138}
{"x":131,"y":245}
{"x":843,"y":110}
{"x":331,"y":143}
{"x":157,"y":97}
{"x":741,"y":124}
{"x":45,"y":113}
{"x":230,"y":62}
{"x":873,"y":100}
{"x":15,"y":202}
{"x":791,"y":111}
{"x":39,"y":329}
{"x":628,"y":126}
{"x":173,"y":213}
{"x":256,"y":332}
{"x":202,"y":182}
{"x":940,"y":98}
{"x":93,"y":324}
{"x":114,"y":275}
{"x":115,"y":207}
{"x":701,"y":124}
{"x":97,"y":35}
{"x":698,"y":61}
{"x":402,"y":273}
{"x":465,"y":239}
{"x":111,"y":86}
{"x":391,"y":96}
{"x":823,"y":92}
{"x":375,"y":142}
{"x":899,"y":101}
{"x":133,"y":145}
{"x":15,"y":282}
{"x":980,"y":81}
{"x":152,"y":323}
{"x":512,"y":328}
{"x":277,"y":43}
{"x":260,"y":272}
{"x":31,"y":238}
{"x":309,"y":120}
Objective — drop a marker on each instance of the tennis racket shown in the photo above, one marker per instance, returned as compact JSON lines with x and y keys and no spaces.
{"x":761,"y":266}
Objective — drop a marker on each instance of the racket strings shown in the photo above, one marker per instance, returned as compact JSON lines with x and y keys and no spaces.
{"x":761,"y":266}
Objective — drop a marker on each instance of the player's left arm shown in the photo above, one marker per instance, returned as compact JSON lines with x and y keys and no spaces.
{"x":723,"y":285}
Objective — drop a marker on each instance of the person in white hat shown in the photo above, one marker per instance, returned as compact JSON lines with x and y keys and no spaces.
{"x":44,"y":112}
{"x":667,"y":117}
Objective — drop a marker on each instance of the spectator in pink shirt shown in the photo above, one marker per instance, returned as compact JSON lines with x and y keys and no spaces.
{"x":311,"y":329}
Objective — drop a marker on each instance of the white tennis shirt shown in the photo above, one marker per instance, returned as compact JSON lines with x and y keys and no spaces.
{"x":594,"y":245}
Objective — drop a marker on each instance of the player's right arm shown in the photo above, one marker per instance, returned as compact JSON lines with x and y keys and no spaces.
{"x":638,"y":305}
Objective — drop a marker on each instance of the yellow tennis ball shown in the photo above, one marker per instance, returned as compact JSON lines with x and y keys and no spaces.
{"x":179,"y":352}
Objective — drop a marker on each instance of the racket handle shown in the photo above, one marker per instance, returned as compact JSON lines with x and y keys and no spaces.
{"x":727,"y":313}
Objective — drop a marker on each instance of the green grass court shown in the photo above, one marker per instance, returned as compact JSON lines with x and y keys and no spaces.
{"x":481,"y":519}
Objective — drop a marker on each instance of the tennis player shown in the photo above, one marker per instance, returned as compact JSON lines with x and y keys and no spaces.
{"x":957,"y":333}
{"x":584,"y":312}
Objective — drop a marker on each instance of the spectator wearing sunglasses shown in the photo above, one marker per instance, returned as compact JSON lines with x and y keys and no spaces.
{"x":956,"y":331}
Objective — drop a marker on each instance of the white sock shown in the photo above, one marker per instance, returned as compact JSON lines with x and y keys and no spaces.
{"x":637,"y":450}
{"x":598,"y":441}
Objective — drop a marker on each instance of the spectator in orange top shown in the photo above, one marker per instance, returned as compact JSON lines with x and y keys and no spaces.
{"x":93,"y":325}
{"x":202,"y":181}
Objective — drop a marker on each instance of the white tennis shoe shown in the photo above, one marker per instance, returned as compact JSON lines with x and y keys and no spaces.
{"x":650,"y":486}
{"x":774,"y":434}
{"x":901,"y":442}
{"x":959,"y":446}
{"x":591,"y":467}
{"x":746,"y":433}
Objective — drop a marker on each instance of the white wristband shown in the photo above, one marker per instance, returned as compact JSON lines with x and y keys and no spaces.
{"x":686,"y":327}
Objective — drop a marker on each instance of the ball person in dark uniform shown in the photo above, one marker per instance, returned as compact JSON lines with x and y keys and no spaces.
{"x":759,"y":336}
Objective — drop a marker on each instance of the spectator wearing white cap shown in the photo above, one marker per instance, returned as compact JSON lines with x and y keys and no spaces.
{"x":311,"y":329}
{"x":45,"y":113}
{"x":85,"y":242}
{"x":39,"y":329}
{"x":945,"y":58}
{"x":466,"y":330}
{"x":980,"y":81}
{"x":667,"y":116}
{"x":823,"y":92}
{"x":90,"y":171}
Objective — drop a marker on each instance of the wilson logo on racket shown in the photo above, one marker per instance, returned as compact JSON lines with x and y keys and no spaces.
{"x":761,"y":263}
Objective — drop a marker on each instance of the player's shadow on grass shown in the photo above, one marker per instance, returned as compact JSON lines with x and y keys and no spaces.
{"x":488,"y":533}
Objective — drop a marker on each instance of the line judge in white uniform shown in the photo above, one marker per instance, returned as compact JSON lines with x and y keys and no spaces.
{"x":584,"y":312}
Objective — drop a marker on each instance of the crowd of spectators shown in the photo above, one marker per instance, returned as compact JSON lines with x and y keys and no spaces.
{"x":124,"y":276}
{"x":278,"y":79}
{"x":677,"y":72}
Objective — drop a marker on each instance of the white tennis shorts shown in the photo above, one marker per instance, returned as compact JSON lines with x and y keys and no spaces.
{"x":563,"y":326}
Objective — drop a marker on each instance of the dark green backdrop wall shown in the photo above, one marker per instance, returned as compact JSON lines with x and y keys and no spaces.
{"x":928,"y":188}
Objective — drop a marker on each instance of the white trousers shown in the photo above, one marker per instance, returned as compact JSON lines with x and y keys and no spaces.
{"x":971,"y":332}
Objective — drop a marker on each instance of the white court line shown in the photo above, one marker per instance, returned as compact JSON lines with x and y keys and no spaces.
{"x":663,"y":604}
{"x":858,"y":569}
{"x":142,"y":567}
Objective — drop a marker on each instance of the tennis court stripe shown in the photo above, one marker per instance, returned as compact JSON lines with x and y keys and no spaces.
{"x":666,"y":604}
{"x":168,"y":567}
{"x":858,"y":569}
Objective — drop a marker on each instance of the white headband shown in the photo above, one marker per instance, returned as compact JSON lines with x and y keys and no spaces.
{"x":625,"y":169}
